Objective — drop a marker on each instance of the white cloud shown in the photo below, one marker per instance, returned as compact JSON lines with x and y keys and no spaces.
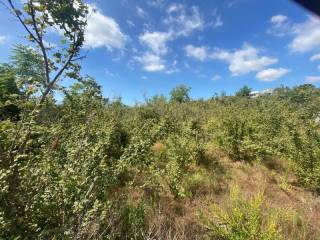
{"x":241,"y":61}
{"x":199,"y":53}
{"x":244,"y":60}
{"x":306,"y":36}
{"x":216,"y":77}
{"x":3,"y":39}
{"x":271,"y":74}
{"x":315,"y":57}
{"x":103,"y":31}
{"x":278,"y":19}
{"x":312,"y":79}
{"x":151,"y":62}
{"x":217,"y":19}
{"x":280,"y":26}
{"x":156,"y":41}
{"x":141,"y":13}
{"x":183,"y":21}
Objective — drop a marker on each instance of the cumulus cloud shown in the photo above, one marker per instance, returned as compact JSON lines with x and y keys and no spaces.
{"x":181,"y":22}
{"x":306,"y":36}
{"x":244,"y":60}
{"x":271,"y":74}
{"x":103,"y":31}
{"x":156,"y":41}
{"x":151,"y":62}
{"x":280,"y":26}
{"x":241,"y":61}
{"x":312,"y":79}
{"x":278,"y":19}
{"x":199,"y":53}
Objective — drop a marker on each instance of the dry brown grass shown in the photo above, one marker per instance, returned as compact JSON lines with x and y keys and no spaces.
{"x":299,"y":209}
{"x":178,"y":219}
{"x":158,"y":148}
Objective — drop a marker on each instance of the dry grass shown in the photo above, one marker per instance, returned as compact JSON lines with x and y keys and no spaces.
{"x":299,"y":209}
{"x":209,"y":183}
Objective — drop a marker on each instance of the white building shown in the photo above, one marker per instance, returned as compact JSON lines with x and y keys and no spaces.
{"x":255,"y":94}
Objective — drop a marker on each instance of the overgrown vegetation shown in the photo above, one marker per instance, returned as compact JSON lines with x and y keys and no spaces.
{"x":245,"y":219}
{"x":90,"y":168}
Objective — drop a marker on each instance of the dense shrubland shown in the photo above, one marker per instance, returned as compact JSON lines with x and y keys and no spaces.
{"x":87,"y":167}
{"x":94,"y":168}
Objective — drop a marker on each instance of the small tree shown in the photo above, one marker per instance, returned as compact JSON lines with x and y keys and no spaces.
{"x":244,"y":91}
{"x":69,"y":17}
{"x":180,"y":94}
{"x":41,"y":70}
{"x":47,"y":64}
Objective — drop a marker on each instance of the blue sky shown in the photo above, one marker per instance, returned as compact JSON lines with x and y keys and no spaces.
{"x":138,"y":48}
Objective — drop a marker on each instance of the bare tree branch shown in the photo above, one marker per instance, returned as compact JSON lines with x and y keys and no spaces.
{"x":43,"y":50}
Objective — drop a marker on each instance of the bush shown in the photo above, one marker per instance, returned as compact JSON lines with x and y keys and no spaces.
{"x":243,"y":220}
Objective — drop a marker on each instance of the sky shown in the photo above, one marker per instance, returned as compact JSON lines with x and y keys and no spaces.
{"x":139,"y":48}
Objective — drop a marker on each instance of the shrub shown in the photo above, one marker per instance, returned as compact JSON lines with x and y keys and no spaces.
{"x":243,"y":220}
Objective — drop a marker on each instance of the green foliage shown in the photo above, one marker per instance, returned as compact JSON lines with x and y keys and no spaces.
{"x":244,"y":219}
{"x":7,"y":85}
{"x":259,"y":129}
{"x":40,"y":67}
{"x":304,"y":150}
{"x":83,"y":158}
{"x":134,"y":222}
{"x":8,"y":92}
{"x":180,"y":94}
{"x":90,"y":168}
{"x":244,"y":129}
{"x":27,"y":65}
{"x":244,"y":91}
